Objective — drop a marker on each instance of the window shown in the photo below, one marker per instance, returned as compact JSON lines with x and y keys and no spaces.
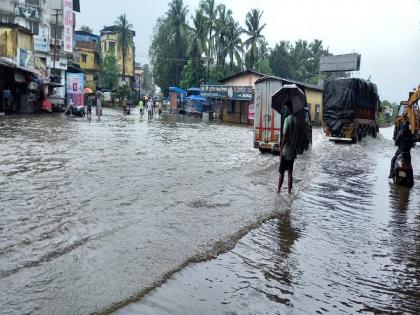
{"x":60,"y":30}
{"x":111,"y":47}
{"x":84,"y":58}
{"x":32,"y":2}
{"x":34,"y":26}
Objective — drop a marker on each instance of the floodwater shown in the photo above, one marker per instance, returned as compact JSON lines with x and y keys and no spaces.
{"x":350,"y":243}
{"x":97,"y":215}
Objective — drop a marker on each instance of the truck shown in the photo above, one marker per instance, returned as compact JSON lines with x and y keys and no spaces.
{"x":351,"y":109}
{"x":268,"y":122}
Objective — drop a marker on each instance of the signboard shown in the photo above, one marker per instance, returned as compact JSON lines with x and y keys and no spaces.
{"x":41,"y":40}
{"x":25,"y":59}
{"x":239,"y":93}
{"x":251,"y":112}
{"x":68,"y":25}
{"x":74,"y":88}
{"x":26,"y":11}
{"x":60,"y":63}
{"x":348,"y":62}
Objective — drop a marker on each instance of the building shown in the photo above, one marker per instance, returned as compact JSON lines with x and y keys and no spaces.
{"x":87,"y":56}
{"x":51,"y":23}
{"x":234,"y":98}
{"x":109,"y":45}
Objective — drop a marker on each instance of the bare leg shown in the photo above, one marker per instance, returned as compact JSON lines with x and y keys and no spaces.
{"x":290,"y":178}
{"x":281,"y":178}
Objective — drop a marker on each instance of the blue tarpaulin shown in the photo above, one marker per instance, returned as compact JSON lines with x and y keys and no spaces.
{"x":177,"y":90}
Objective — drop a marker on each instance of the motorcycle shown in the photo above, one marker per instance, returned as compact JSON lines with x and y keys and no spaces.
{"x":126,"y":110}
{"x":403,"y":171}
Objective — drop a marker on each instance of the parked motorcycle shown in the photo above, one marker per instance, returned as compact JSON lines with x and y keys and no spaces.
{"x":403,"y":171}
{"x":79,"y":111}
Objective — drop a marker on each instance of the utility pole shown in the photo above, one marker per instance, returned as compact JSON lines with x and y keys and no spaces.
{"x":56,"y":14}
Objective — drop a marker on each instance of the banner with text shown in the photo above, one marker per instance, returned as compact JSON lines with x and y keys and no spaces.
{"x":239,"y":93}
{"x":68,"y":25}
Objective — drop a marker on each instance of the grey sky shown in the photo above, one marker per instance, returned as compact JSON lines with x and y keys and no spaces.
{"x":386,"y":33}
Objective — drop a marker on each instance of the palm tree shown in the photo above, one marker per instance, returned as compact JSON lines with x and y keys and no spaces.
{"x":198,"y":40}
{"x":177,"y":17}
{"x":316,"y":51}
{"x":125,"y":38}
{"x":299,"y":58}
{"x":223,"y":21}
{"x":210,"y":9}
{"x":234,"y":45}
{"x":254,"y":31}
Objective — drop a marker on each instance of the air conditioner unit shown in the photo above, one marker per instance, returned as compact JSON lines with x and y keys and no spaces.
{"x":60,"y":43}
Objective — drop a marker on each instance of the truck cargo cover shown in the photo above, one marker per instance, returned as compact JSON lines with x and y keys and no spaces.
{"x":343,"y":96}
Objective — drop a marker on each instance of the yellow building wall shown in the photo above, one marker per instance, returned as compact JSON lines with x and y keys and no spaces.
{"x":11,"y":39}
{"x":129,"y":58}
{"x":315,"y":98}
{"x":90,"y":60}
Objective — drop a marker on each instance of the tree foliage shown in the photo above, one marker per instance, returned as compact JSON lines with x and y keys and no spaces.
{"x":85,"y":28}
{"x":108,"y":75}
{"x":125,"y":38}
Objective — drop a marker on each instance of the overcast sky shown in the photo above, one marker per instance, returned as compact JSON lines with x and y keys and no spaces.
{"x":386,"y":33}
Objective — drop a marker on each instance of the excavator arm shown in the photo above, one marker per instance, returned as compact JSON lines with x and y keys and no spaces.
{"x":413,"y":111}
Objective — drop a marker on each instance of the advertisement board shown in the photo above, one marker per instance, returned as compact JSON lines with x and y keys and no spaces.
{"x":347,"y":62}
{"x":239,"y":93}
{"x":68,"y":25}
{"x":41,"y":40}
{"x":74,"y":88}
{"x":251,"y":112}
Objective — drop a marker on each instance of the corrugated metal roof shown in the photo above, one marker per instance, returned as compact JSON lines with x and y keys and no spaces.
{"x":290,"y":81}
{"x":248,"y":71}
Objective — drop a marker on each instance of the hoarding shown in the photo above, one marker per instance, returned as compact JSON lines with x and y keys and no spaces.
{"x":41,"y":40}
{"x":74,"y":88}
{"x":239,"y":93}
{"x":251,"y":112}
{"x":348,"y":62}
{"x":26,"y":10}
{"x":68,"y":25}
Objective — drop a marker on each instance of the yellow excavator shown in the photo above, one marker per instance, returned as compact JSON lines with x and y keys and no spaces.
{"x":412,"y":110}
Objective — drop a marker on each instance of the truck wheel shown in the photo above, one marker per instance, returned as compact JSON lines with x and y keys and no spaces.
{"x":359,"y":134}
{"x":374,"y":132}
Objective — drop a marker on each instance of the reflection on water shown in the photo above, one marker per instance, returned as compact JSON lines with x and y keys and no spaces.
{"x":350,"y":243}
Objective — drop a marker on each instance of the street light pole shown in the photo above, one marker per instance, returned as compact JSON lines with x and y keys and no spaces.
{"x":57,"y":12}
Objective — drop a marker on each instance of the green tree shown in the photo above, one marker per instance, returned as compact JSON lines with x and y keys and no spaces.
{"x":223,"y":22}
{"x":189,"y":75}
{"x":177,"y":33}
{"x":161,"y":56}
{"x":85,"y":28}
{"x":108,"y":75}
{"x":263,"y":66}
{"x":254,"y":32}
{"x":210,"y":10}
{"x":279,"y":59}
{"x":299,"y":60}
{"x":125,"y":38}
{"x":198,"y":42}
{"x":234,"y":45}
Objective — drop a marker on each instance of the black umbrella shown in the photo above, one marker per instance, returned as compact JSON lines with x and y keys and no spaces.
{"x":289,"y":92}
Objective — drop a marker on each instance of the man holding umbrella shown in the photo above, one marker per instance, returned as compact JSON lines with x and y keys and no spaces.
{"x":288,"y":147}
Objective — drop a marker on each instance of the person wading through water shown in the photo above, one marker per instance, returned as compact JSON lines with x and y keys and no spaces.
{"x":288,"y":147}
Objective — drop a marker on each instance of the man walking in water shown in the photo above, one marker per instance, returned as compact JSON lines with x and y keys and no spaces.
{"x":149,"y":109}
{"x":288,"y":148}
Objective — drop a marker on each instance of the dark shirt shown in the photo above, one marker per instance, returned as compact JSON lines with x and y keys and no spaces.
{"x":404,"y":141}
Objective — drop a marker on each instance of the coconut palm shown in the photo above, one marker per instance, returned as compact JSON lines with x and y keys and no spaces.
{"x":254,"y":31}
{"x":210,"y":9}
{"x":299,"y":59}
{"x":177,"y":18}
{"x":125,"y":38}
{"x":223,"y":22}
{"x":234,"y":45}
{"x":198,"y":40}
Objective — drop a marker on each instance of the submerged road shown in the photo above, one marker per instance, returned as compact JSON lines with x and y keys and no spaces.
{"x":95,"y":214}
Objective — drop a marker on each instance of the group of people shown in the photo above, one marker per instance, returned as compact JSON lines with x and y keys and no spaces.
{"x":90,"y":101}
{"x":148,"y":103}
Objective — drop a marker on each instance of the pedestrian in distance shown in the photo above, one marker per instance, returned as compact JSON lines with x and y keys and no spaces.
{"x":288,"y":148}
{"x":99,"y":107}
{"x":149,"y":109}
{"x":89,"y":107}
{"x":141,"y":107}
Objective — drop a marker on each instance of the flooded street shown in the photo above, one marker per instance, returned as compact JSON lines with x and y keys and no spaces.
{"x":97,"y":214}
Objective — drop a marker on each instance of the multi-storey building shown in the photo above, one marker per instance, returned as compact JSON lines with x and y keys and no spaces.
{"x":51,"y":23}
{"x":109,"y":45}
{"x":87,"y":55}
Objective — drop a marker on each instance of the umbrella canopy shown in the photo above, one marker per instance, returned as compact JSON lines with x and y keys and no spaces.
{"x":88,"y":91}
{"x":289,"y":92}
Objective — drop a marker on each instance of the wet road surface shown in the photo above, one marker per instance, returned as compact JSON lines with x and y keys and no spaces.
{"x":350,"y":243}
{"x":95,"y":214}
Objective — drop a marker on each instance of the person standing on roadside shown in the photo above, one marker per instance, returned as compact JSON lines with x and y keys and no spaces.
{"x":99,"y":107}
{"x":141,"y":107}
{"x":288,"y":148}
{"x":149,"y":109}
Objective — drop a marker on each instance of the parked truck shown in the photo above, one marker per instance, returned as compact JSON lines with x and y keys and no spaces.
{"x":268,"y":123}
{"x":351,"y":109}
